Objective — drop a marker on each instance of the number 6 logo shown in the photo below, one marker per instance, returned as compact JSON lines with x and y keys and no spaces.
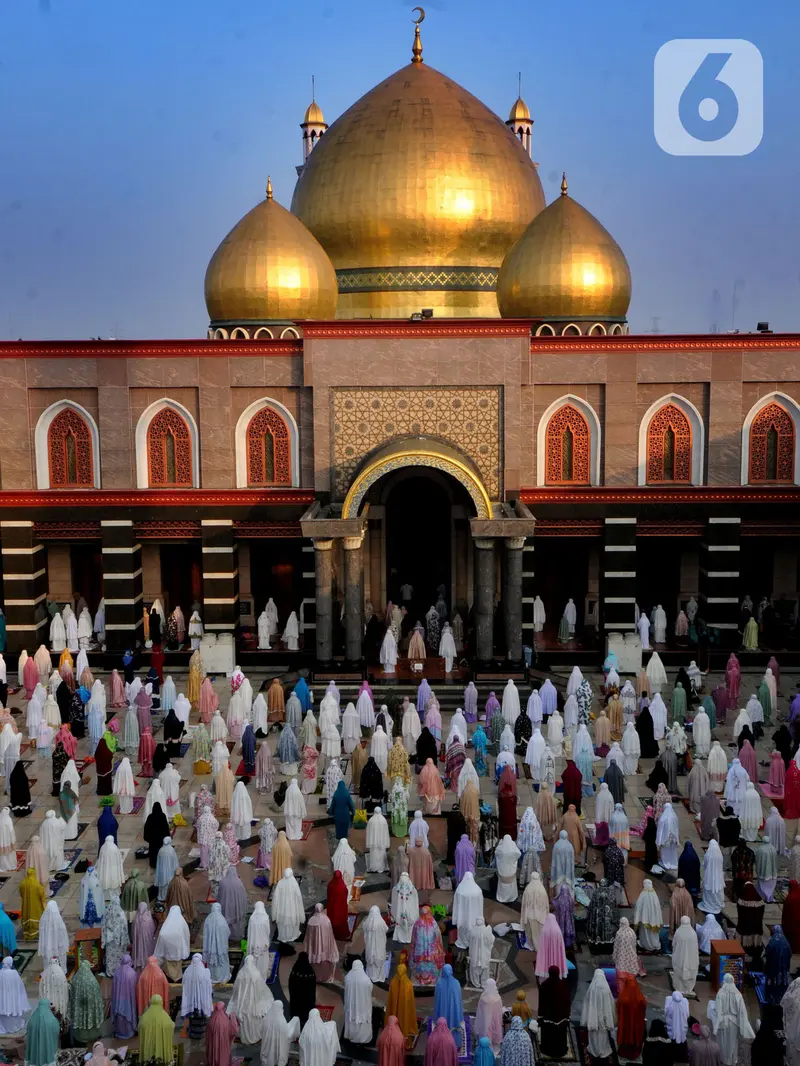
{"x":708,"y":97}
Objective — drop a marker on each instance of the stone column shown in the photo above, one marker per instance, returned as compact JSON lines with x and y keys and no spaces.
{"x":353,"y":597}
{"x":617,"y":577}
{"x":122,"y":583}
{"x":484,"y":597}
{"x":323,"y":568}
{"x":25,"y":586}
{"x":220,"y":575}
{"x":512,"y":598}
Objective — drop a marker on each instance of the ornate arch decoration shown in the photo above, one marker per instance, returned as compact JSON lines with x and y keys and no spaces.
{"x":419,"y":452}
{"x":568,"y":442}
{"x":67,"y":445}
{"x":159,"y":460}
{"x":678,"y":458}
{"x":267,"y":442}
{"x":770,"y":436}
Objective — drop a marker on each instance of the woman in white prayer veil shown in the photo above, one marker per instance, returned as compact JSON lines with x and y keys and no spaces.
{"x":288,"y":912}
{"x":44,"y":664}
{"x":217,"y":730}
{"x":169,"y":694}
{"x":628,"y":699}
{"x":379,"y":748}
{"x":447,"y":648}
{"x":53,"y":936}
{"x":658,"y":712}
{"x":155,"y":794}
{"x":171,"y":783}
{"x":357,"y":1005}
{"x":555,"y":733}
{"x":643,"y":625}
{"x":329,"y":713}
{"x":507,"y":856}
{"x":124,"y":789}
{"x":631,"y":749}
{"x":571,"y":711}
{"x":366,"y":710}
{"x":319,"y":1041}
{"x":562,"y":865}
{"x":241,"y":812}
{"x":647,"y":917}
{"x":581,"y":743}
{"x":728,"y":1016}
{"x":717,"y":766}
{"x":196,"y":988}
{"x":53,"y":683}
{"x":418,"y":829}
{"x":676,"y":1012}
{"x":58,"y":634}
{"x":656,"y":674}
{"x":291,"y":633}
{"x":547,"y":769}
{"x":458,"y":724}
{"x":468,"y":773}
{"x":263,"y":631}
{"x":599,"y":1015}
{"x":374,"y":930}
{"x":534,"y":752}
{"x":534,"y":708}
{"x":616,"y":755}
{"x":258,"y":938}
{"x":736,"y":786}
{"x":481,"y":944}
{"x":467,"y":906}
{"x":277,"y":1035}
{"x":750,"y":815}
{"x":754,"y":710}
{"x":743,"y":719}
{"x":603,"y":804}
{"x":293,"y":710}
{"x":294,"y":808}
{"x":53,"y":832}
{"x":405,"y":908}
{"x":35,"y":713}
{"x":667,"y":838}
{"x":659,"y":625}
{"x":411,"y":727}
{"x":378,"y":841}
{"x":220,"y":757}
{"x":71,"y":624}
{"x":701,"y":733}
{"x":707,"y":931}
{"x":574,"y":682}
{"x":510,"y":703}
{"x":507,"y":741}
{"x":173,"y":943}
{"x":250,"y":1001}
{"x":534,"y":910}
{"x":260,"y":715}
{"x":14,"y":1003}
{"x":388,"y":656}
{"x":351,"y":729}
{"x":344,"y":860}
{"x":685,"y":959}
{"x":53,"y":986}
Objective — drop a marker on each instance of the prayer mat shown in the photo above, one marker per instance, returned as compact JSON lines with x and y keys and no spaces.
{"x":462,"y":1036}
{"x":23,"y":957}
{"x":572,"y":1048}
{"x":522,"y":941}
{"x":325,"y":1013}
{"x":21,"y":859}
{"x":445,"y":884}
{"x":693,"y":995}
{"x":582,"y":1035}
{"x":82,"y":827}
{"x":71,"y":856}
{"x":352,"y":922}
{"x":355,"y":891}
{"x":184,"y":749}
{"x":274,"y":963}
{"x":770,"y":793}
{"x":759,"y":983}
{"x":138,"y":803}
{"x":25,"y":747}
{"x":55,"y":887}
{"x":307,"y":827}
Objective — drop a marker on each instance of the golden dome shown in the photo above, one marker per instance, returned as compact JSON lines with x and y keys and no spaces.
{"x":565,"y":265}
{"x":519,"y":112}
{"x":416,"y":193}
{"x":270,"y":268}
{"x":314,"y":115}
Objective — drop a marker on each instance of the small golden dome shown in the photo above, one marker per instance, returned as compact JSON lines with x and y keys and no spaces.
{"x":270,"y":269}
{"x":314,"y":116}
{"x":565,"y":265}
{"x":519,"y":112}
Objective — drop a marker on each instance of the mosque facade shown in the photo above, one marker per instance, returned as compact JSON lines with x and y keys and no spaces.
{"x":420,"y":374}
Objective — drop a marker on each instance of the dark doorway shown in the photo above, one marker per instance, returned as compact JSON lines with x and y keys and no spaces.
{"x":658,"y":576}
{"x":276,"y":570}
{"x":182,"y":576}
{"x":86,"y":565}
{"x":561,"y":566}
{"x":418,"y":536}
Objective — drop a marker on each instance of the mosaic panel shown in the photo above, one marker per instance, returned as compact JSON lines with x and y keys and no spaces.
{"x":365,"y":419}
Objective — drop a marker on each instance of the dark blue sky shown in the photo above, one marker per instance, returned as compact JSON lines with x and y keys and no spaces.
{"x":134,"y":135}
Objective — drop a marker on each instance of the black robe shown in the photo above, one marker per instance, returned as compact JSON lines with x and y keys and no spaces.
{"x":19,"y":791}
{"x":456,"y":828}
{"x":555,"y":1005}
{"x":160,"y":759}
{"x":156,"y":828}
{"x":104,"y":764}
{"x":302,"y":988}
{"x":64,"y":701}
{"x":658,"y":1049}
{"x":59,"y":765}
{"x":426,"y":747}
{"x":729,"y":829}
{"x":647,"y":742}
{"x":371,"y":785}
{"x":650,"y":848}
{"x":615,"y":779}
{"x":689,"y":869}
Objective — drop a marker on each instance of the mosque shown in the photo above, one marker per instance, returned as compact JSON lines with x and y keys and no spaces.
{"x":420,"y":374}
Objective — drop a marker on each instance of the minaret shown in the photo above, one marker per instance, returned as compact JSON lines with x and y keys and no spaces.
{"x":520,"y":122}
{"x":313,"y":126}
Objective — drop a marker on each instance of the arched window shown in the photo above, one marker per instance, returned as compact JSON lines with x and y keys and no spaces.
{"x":567,"y":448}
{"x":669,"y":446}
{"x":268,"y":449}
{"x":772,"y":445}
{"x":69,"y":450}
{"x":169,"y":450}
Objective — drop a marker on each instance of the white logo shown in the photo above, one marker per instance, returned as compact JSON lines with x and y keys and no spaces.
{"x":708,"y":97}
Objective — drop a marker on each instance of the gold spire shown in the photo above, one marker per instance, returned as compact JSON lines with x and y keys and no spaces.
{"x":564,"y":183}
{"x":269,"y":188}
{"x":416,"y":51}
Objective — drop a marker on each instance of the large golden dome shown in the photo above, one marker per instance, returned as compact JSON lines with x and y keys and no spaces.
{"x":416,"y":193}
{"x":566,"y":265}
{"x":269,"y":269}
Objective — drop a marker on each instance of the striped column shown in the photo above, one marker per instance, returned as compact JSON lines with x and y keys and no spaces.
{"x":309,"y":586}
{"x":122,"y":583}
{"x":220,"y":575}
{"x":528,"y":592}
{"x":618,"y":584}
{"x":719,"y":573}
{"x":25,"y":583}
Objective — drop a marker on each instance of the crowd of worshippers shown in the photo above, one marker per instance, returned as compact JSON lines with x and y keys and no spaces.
{"x":146,"y":941}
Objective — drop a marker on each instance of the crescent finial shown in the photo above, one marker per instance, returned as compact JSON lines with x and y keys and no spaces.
{"x":421,"y":15}
{"x":416,"y":51}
